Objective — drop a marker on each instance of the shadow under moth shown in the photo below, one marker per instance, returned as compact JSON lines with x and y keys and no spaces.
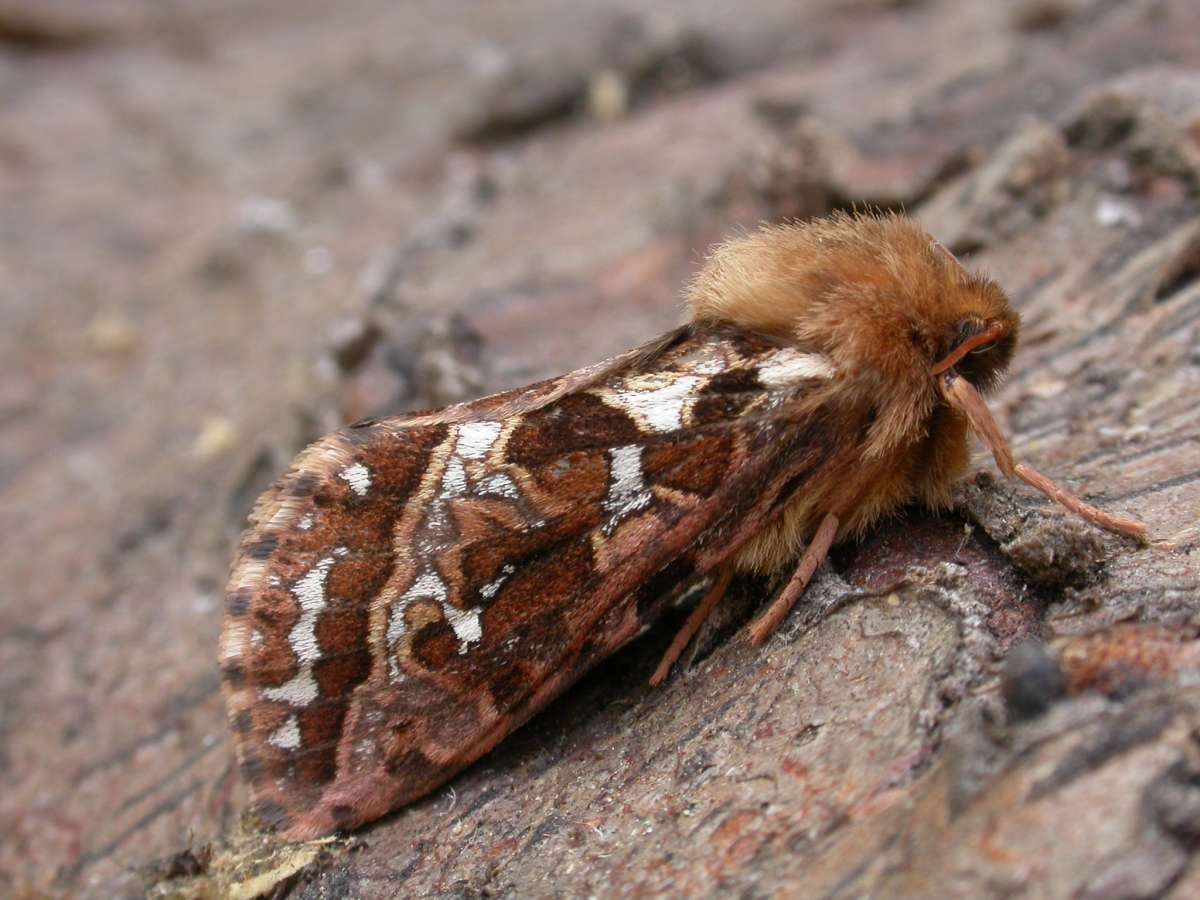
{"x":415,"y":588}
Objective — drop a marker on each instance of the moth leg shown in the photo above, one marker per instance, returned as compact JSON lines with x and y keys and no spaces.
{"x":692,"y":625}
{"x":817,"y":550}
{"x":963,"y":396}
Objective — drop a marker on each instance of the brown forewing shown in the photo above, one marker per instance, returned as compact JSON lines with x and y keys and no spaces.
{"x":414,"y":589}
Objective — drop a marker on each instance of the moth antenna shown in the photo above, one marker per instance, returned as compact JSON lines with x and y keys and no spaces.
{"x":962,"y":395}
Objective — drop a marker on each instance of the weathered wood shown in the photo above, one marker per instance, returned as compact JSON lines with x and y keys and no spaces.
{"x":266,"y":178}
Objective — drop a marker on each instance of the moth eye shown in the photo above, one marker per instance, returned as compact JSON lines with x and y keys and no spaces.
{"x":965,"y":329}
{"x":971,"y":337}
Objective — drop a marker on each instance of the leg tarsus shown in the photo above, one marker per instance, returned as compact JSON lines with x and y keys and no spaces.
{"x":818,"y":549}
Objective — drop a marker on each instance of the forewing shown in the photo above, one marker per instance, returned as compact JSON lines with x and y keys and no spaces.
{"x":414,"y":589}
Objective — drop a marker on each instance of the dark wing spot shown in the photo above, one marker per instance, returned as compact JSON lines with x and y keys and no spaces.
{"x":263,"y":548}
{"x":303,"y":485}
{"x":234,"y":674}
{"x":237,"y":603}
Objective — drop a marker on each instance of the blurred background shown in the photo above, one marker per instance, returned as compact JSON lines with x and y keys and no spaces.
{"x":227,"y":227}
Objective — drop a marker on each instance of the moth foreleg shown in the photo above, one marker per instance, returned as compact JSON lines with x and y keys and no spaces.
{"x":817,"y":550}
{"x":692,"y":625}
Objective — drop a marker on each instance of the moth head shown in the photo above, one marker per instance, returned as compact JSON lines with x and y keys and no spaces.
{"x":877,"y":295}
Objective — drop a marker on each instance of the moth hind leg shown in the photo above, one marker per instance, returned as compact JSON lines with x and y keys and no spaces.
{"x":694,"y":621}
{"x":762,"y":628}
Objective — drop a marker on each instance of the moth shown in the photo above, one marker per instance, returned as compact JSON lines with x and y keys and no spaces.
{"x":415,"y":588}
